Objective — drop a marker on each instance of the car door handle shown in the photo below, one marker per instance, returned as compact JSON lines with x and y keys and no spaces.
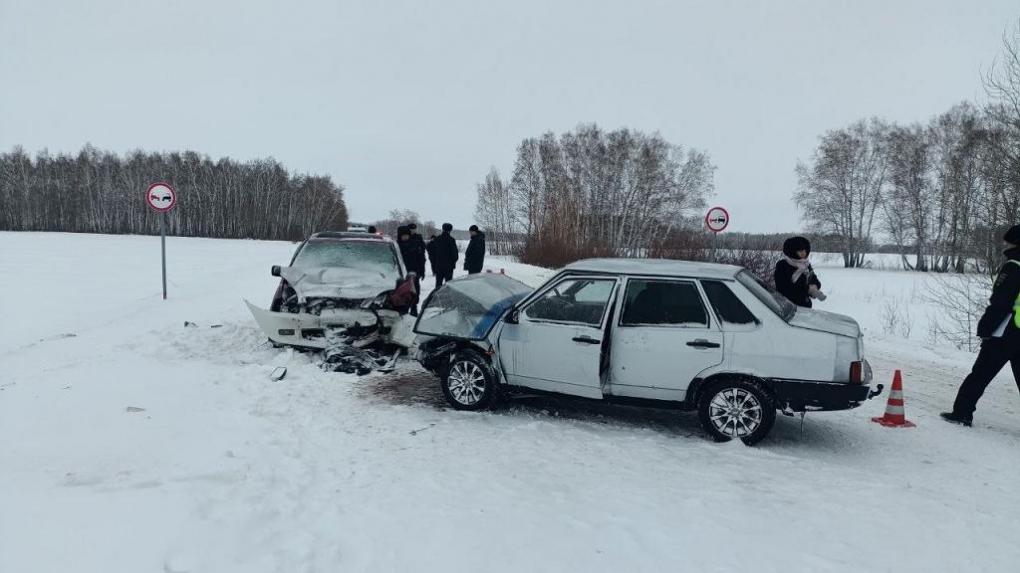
{"x":702,"y":343}
{"x":586,"y":340}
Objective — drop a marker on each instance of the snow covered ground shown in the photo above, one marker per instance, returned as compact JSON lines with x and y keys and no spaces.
{"x":130,"y":443}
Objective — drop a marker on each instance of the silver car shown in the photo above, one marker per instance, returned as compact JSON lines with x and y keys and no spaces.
{"x":663,"y":333}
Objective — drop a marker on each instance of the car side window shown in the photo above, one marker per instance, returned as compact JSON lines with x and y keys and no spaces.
{"x":663,"y":303}
{"x":582,"y":301}
{"x":728,"y":307}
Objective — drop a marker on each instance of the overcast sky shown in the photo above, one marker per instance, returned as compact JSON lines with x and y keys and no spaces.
{"x":408,"y":104}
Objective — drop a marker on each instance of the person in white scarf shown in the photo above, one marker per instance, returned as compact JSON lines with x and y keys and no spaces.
{"x":794,"y":277}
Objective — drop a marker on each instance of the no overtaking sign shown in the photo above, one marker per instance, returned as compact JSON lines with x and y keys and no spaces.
{"x":161,"y":198}
{"x":717,"y":219}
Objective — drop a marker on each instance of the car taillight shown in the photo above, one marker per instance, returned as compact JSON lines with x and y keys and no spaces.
{"x":857,"y":372}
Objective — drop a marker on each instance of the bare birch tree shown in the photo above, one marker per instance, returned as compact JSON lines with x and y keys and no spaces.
{"x":590,"y":193}
{"x":840,"y":188}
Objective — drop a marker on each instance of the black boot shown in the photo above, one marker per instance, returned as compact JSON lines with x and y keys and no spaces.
{"x":954,"y":418}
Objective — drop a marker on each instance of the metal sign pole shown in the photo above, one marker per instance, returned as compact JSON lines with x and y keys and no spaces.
{"x":162,"y":239}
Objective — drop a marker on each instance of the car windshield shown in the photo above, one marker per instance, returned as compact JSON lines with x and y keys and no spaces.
{"x":469,"y":307}
{"x":776,"y":302}
{"x":375,"y":256}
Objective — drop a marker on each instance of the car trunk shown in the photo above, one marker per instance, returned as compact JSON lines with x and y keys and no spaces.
{"x":825,"y":322}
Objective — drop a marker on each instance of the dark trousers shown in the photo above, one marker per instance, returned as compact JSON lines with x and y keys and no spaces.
{"x":995,"y":353}
{"x":417,"y":288}
{"x":442,"y":276}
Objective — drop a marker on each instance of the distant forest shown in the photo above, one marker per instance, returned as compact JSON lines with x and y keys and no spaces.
{"x":97,"y":191}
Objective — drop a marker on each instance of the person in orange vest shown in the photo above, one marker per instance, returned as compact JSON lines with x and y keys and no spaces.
{"x":999,"y":329}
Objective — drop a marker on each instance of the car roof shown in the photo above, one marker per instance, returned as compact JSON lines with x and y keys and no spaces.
{"x":655,"y":267}
{"x":347,"y":235}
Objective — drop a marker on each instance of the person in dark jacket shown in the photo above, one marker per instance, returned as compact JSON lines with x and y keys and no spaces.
{"x":474,"y":256}
{"x":999,"y":330}
{"x":794,"y":277}
{"x":443,"y":253}
{"x":409,"y":252}
{"x":418,"y":265}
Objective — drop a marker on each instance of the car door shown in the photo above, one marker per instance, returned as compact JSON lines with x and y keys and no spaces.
{"x":555,"y":341}
{"x":663,"y":339}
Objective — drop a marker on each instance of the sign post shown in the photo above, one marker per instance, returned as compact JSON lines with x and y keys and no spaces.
{"x":716,"y":220}
{"x":161,"y":198}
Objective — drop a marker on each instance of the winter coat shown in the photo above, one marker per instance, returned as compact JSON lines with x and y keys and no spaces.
{"x":412,"y":253}
{"x":799,"y":292}
{"x":420,"y":248}
{"x":430,"y":248}
{"x":1005,"y":294}
{"x":443,"y":252}
{"x":474,"y":256}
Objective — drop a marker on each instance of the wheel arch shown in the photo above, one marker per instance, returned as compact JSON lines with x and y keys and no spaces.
{"x":698,"y":385}
{"x":440,"y":360}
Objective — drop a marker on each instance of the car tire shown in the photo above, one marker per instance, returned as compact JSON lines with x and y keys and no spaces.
{"x":737,"y":408}
{"x":470,"y":383}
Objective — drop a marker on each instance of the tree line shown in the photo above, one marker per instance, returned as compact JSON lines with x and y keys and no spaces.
{"x":943,"y":191}
{"x":98,"y":191}
{"x":590,"y":193}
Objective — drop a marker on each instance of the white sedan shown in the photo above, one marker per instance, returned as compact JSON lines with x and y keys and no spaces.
{"x":656,"y":332}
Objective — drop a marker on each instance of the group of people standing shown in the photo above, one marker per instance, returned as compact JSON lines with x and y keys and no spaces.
{"x":440,"y":252}
{"x":998,"y":328}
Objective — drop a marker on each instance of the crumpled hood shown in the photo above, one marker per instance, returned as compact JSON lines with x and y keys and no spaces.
{"x":826,"y":322}
{"x":337,"y":282}
{"x":469,"y":307}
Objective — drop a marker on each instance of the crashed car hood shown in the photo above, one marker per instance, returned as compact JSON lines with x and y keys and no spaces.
{"x":469,"y":307}
{"x":338,"y":282}
{"x":826,"y":322}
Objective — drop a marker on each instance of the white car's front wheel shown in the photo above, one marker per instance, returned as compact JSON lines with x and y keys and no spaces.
{"x":737,"y":408}
{"x":470,"y":383}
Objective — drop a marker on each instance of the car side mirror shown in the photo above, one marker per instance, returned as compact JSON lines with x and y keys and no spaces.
{"x":514,"y":317}
{"x":275,"y":270}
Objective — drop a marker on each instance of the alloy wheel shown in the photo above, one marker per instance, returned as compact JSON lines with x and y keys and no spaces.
{"x":466,"y":383}
{"x":735,"y":412}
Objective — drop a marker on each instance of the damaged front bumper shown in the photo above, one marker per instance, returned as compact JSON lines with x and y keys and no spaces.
{"x":308,"y":331}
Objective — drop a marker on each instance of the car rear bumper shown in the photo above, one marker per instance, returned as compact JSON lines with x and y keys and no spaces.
{"x":806,"y":395}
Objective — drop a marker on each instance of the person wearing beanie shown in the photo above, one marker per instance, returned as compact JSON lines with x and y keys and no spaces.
{"x":794,"y":277}
{"x":443,"y":253}
{"x":474,"y":256}
{"x":999,"y":330}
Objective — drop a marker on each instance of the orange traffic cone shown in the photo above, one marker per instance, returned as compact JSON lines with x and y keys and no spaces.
{"x":894,"y":414}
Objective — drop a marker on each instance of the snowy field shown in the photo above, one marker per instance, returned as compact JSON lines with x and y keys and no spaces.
{"x":131,"y":443}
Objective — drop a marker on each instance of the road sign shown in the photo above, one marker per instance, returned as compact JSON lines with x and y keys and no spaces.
{"x":161,"y":197}
{"x":717,"y":219}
